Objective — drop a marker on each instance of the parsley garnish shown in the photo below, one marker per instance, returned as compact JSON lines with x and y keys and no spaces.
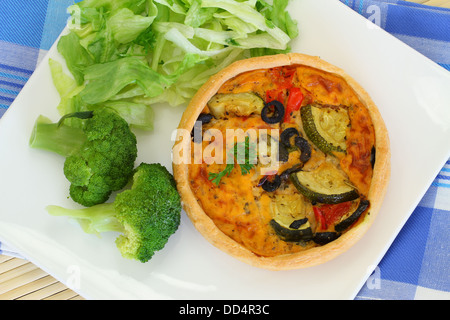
{"x":246,"y":167}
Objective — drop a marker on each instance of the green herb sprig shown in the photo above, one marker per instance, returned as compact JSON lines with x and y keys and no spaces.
{"x":246,"y":166}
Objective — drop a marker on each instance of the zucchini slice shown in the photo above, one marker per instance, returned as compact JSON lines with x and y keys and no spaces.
{"x":239,"y":104}
{"x":290,"y":217}
{"x":288,"y":234}
{"x":325,"y":184}
{"x":346,"y":223}
{"x":326,"y":127}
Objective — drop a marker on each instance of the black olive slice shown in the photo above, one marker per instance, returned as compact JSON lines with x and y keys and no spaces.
{"x":270,"y":184}
{"x":205,"y":118}
{"x":298,"y":223}
{"x":325,"y":237}
{"x":202,"y":119}
{"x":304,"y":147}
{"x":276,"y":108}
{"x":287,"y":134}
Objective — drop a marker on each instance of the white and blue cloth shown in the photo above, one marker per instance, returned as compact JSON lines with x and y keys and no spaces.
{"x":417,"y":265}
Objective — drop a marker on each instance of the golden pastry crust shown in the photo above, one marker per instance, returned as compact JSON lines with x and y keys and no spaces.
{"x":307,"y":258}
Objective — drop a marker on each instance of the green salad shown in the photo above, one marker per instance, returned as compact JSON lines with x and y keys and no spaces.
{"x":125,"y":55}
{"x":130,"y":54}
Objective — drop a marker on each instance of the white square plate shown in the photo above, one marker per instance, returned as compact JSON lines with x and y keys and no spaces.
{"x":410,"y":90}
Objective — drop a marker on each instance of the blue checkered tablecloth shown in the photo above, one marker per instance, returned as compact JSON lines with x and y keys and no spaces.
{"x":417,"y":266}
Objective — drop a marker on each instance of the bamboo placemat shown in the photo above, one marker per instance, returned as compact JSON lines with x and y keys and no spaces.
{"x":436,"y":3}
{"x":21,"y":280}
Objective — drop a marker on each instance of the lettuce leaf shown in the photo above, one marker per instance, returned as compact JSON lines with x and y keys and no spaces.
{"x":133,"y":53}
{"x":69,"y":91}
{"x":107,"y":79}
{"x":127,"y":26}
{"x":76,"y":56}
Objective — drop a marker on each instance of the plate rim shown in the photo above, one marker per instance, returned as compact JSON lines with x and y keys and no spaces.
{"x":42,"y":65}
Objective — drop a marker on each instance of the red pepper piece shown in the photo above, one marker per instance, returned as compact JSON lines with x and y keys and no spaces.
{"x":294,"y":102}
{"x":320,"y":219}
{"x":330,"y":214}
{"x":283,"y":77}
{"x":275,"y":94}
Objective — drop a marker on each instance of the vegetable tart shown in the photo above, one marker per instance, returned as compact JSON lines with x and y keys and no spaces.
{"x":282,"y":161}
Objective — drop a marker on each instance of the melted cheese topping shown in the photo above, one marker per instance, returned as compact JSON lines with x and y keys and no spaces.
{"x":237,"y":205}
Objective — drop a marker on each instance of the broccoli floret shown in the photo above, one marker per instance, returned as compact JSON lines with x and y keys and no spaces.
{"x":147,"y":214}
{"x":100,"y":155}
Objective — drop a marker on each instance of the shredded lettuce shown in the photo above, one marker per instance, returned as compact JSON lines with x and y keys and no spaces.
{"x":130,"y":54}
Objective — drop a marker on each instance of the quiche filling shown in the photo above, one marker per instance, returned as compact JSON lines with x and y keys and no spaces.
{"x":322,"y":138}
